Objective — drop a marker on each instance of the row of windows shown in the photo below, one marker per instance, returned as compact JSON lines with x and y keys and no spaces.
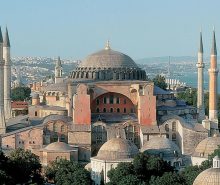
{"x":111,"y":110}
{"x":111,"y":100}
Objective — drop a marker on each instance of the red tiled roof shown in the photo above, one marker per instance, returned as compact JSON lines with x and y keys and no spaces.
{"x":19,"y":104}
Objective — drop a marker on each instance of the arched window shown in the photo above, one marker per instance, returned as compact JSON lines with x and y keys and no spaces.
{"x":104,"y":110}
{"x":111,"y":110}
{"x":97,"y":101}
{"x":35,"y":113}
{"x":125,"y":110}
{"x":118,"y":110}
{"x":173,"y":137}
{"x":174,"y":126}
{"x":62,"y":128}
{"x":105,"y":100}
{"x":117,"y":100}
{"x":97,"y":110}
{"x":167,"y":127}
{"x":111,"y":100}
{"x":55,"y":127}
{"x":125,"y":101}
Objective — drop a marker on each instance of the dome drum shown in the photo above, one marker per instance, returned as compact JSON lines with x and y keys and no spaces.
{"x":109,"y":74}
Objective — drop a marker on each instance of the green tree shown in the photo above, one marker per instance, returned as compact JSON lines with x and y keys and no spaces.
{"x":64,"y":172}
{"x":140,"y":171}
{"x":168,"y":178}
{"x":189,"y":95}
{"x":5,"y":178}
{"x":160,"y":82}
{"x":20,"y":93}
{"x":122,"y":170}
{"x":146,"y":166}
{"x":25,"y":167}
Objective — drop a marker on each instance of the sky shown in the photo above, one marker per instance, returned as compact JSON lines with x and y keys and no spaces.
{"x":139,"y":28}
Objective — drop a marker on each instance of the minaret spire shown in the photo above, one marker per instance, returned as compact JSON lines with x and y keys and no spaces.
{"x":214,"y":49}
{"x":213,"y":83}
{"x":6,"y":39}
{"x":7,"y":76}
{"x":1,"y":38}
{"x":201,"y":43}
{"x":200,"y":93}
{"x":2,"y":114}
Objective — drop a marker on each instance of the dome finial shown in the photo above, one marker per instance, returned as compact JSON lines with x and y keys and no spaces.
{"x":107,"y":47}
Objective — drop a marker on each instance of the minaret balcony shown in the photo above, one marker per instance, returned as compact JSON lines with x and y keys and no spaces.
{"x":200,"y":65}
{"x":213,"y":70}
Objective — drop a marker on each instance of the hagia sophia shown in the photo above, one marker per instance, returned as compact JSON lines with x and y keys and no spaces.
{"x":107,"y":111}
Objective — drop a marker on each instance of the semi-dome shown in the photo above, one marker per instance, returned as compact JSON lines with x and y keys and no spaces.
{"x":58,"y":146}
{"x":210,"y":176}
{"x":116,"y":149}
{"x":207,"y":146}
{"x":161,"y":145}
{"x":108,"y":64}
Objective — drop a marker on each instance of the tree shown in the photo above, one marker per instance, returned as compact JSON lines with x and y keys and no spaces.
{"x":146,"y":166}
{"x":122,"y":170}
{"x":130,"y":180}
{"x":168,"y":178}
{"x":20,"y":93}
{"x":25,"y":167}
{"x":189,"y":95}
{"x":160,"y":82}
{"x":140,"y":171}
{"x":4,"y":169}
{"x":64,"y":172}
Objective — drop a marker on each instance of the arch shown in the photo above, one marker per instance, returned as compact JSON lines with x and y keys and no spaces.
{"x":112,"y":100}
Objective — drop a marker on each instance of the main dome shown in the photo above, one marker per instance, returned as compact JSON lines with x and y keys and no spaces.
{"x":108,"y":58}
{"x":108,"y":64}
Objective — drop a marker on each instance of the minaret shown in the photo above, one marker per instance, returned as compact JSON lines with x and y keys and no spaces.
{"x":58,"y":70}
{"x":200,"y":94}
{"x":7,"y":76}
{"x":2,"y":116}
{"x":213,"y":85}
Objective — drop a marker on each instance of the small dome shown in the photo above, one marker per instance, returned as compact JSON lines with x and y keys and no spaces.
{"x":158,"y":145}
{"x":207,"y":146}
{"x":117,"y":148}
{"x":58,"y":146}
{"x":210,"y":176}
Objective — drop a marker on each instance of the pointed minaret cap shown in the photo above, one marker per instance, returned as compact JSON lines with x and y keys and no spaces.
{"x":58,"y":61}
{"x":107,"y":47}
{"x":6,"y":39}
{"x":200,"y":43}
{"x":214,"y":49}
{"x":1,"y":39}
